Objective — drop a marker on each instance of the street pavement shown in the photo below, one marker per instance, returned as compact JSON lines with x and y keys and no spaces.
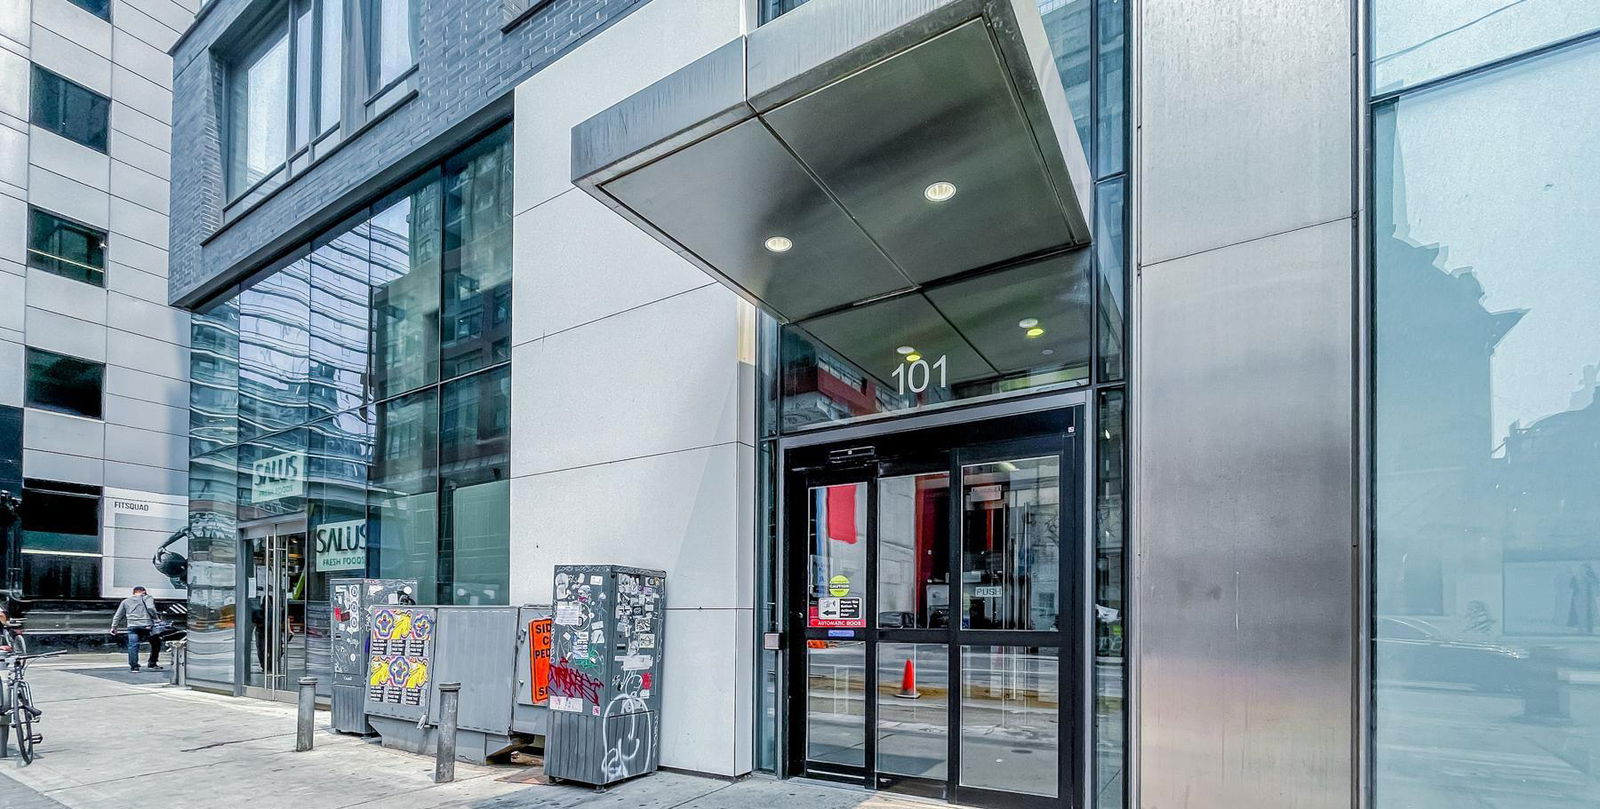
{"x":114,"y":739}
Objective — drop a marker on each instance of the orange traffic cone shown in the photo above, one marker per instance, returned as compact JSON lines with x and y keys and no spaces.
{"x":908,"y":682}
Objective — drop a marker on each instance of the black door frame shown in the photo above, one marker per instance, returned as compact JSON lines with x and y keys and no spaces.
{"x":948,"y":447}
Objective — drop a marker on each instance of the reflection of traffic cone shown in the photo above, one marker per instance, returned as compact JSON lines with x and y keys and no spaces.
{"x":908,"y":682}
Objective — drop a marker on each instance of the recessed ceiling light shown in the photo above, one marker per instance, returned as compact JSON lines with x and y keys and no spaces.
{"x":906,"y":350}
{"x":940,"y":191}
{"x":913,"y":357}
{"x":779,"y":244}
{"x":1034,"y":332}
{"x":1028,"y":322}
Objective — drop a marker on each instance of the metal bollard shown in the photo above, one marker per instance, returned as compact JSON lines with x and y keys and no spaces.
{"x":444,"y":764}
{"x":307,"y":714}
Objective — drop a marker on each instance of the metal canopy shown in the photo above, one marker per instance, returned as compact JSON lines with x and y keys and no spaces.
{"x":826,"y":127}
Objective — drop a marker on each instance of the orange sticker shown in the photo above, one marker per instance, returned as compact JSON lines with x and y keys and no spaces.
{"x":540,"y":631}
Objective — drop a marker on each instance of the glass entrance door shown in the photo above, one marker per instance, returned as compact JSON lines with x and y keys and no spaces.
{"x":275,"y":596}
{"x":936,"y":591}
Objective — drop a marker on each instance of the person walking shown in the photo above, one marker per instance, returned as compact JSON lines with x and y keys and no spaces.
{"x":138,"y":614}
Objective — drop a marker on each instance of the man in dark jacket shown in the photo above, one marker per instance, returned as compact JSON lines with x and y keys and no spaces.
{"x":138,"y":613}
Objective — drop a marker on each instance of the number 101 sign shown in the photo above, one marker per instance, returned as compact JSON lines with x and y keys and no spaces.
{"x":917,"y":376}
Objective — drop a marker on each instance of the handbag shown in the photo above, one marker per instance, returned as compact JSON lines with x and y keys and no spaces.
{"x":159,"y":626}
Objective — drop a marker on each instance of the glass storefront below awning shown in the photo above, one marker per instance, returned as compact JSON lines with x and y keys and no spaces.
{"x":853,"y":151}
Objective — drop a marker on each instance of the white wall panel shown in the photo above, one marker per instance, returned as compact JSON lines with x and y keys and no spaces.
{"x":681,"y":512}
{"x":66,"y":57}
{"x":65,"y":335}
{"x":700,"y":703}
{"x":66,"y":468}
{"x":72,"y":198}
{"x":48,"y":431}
{"x":65,"y":296}
{"x":588,"y":263}
{"x":67,"y":19}
{"x":146,"y":354}
{"x":656,"y":379}
{"x":67,"y":158}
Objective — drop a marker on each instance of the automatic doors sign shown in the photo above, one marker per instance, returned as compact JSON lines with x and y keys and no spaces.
{"x":401,"y":651}
{"x":277,"y":477}
{"x":838,"y":612}
{"x":341,"y":545}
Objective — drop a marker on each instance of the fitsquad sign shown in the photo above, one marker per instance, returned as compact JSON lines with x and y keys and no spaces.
{"x":341,"y":545}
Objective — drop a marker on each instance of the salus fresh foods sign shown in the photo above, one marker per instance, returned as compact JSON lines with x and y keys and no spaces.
{"x":277,"y":477}
{"x":341,"y":545}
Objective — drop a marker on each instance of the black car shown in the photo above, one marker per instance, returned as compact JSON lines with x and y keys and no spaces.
{"x":1415,"y":652}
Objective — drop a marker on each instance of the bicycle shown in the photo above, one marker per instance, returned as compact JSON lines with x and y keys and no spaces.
{"x":19,"y":714}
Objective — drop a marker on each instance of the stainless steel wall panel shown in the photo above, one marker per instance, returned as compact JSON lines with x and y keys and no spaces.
{"x":703,"y":97}
{"x":1244,"y":473}
{"x":1245,"y":120}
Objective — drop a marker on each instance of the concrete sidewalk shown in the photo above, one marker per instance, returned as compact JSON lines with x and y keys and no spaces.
{"x":114,"y":739}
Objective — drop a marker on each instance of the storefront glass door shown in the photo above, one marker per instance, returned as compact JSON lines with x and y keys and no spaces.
{"x":274,"y":619}
{"x":935,"y":591}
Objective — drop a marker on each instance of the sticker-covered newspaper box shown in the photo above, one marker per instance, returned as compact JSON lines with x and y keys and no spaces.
{"x":604,"y":677}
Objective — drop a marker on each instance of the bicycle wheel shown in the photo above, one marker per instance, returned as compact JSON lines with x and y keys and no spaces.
{"x":22,"y":724}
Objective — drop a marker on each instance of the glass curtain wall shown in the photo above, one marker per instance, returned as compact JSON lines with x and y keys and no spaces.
{"x":804,"y":383}
{"x":318,"y":396}
{"x":1486,"y":603}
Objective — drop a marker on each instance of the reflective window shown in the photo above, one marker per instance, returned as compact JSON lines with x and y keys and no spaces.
{"x":272,"y":475}
{"x":1011,"y":544}
{"x":330,"y":45}
{"x":1067,"y":24}
{"x":403,"y":495}
{"x":99,"y":8}
{"x":1022,"y":328}
{"x":475,"y":486}
{"x":1110,"y":566}
{"x":284,"y":90}
{"x":1111,"y":113}
{"x":1487,"y":543}
{"x":60,"y":518}
{"x":1011,"y":718}
{"x":914,"y":551}
{"x":476,"y":319}
{"x":1110,"y":252}
{"x":258,"y":113}
{"x":914,"y":709}
{"x":66,"y":248}
{"x":65,"y":384}
{"x":340,"y":295}
{"x":836,"y":702}
{"x":213,"y":549}
{"x":214,"y":378}
{"x":405,"y":248}
{"x":391,"y":40}
{"x":69,"y":109}
{"x":837,"y":595}
{"x":1417,"y":40}
{"x":274,"y":351}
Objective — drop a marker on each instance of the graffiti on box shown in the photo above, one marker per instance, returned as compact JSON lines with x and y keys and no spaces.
{"x":349,"y":641}
{"x":630,"y":741}
{"x":401,"y":650}
{"x":610,"y":678}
